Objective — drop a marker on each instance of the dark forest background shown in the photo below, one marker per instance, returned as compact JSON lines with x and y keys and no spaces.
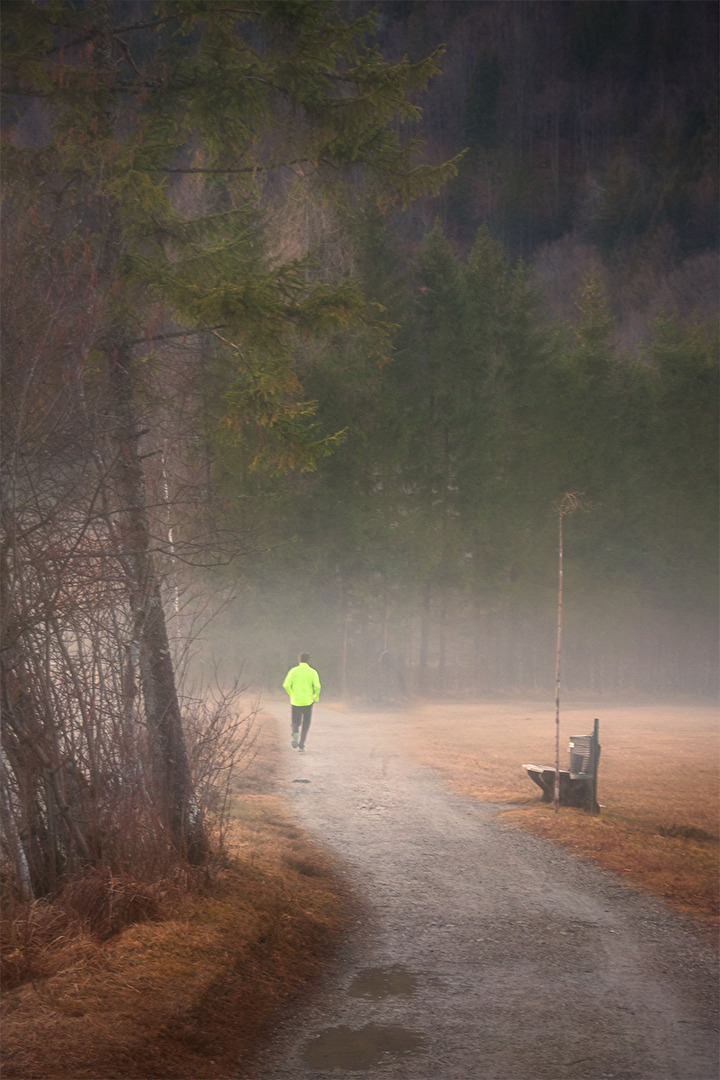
{"x":551,"y":328}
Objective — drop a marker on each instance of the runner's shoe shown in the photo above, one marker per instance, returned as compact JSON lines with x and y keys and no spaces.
{"x":295,"y":736}
{"x":301,"y":750}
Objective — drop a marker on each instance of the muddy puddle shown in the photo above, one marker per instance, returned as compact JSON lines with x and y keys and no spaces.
{"x":378,"y":983}
{"x":349,"y":1048}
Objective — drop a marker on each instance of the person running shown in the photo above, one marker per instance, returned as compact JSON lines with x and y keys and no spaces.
{"x":302,"y":685}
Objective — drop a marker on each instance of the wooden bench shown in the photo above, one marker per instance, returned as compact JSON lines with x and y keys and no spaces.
{"x":578,"y":783}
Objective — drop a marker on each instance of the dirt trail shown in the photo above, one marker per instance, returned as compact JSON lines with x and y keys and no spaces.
{"x":486,"y":953}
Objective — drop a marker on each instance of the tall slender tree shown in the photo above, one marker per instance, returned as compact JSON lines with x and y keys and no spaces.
{"x":151,"y":145}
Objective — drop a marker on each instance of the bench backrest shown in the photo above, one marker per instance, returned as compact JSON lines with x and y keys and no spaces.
{"x":583,"y":750}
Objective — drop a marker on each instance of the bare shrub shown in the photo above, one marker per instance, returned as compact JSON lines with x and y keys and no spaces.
{"x":220,"y":733}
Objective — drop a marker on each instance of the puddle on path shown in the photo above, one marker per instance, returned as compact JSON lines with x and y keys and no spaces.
{"x":378,"y":983}
{"x":344,"y":1048}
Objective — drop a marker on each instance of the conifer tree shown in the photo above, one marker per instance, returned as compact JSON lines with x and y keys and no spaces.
{"x":151,"y":145}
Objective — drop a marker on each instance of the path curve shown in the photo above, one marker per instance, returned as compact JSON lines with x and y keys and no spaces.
{"x":486,"y":953}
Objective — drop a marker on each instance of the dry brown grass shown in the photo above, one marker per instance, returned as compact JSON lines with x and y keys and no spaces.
{"x":659,"y":785}
{"x":193,"y":993}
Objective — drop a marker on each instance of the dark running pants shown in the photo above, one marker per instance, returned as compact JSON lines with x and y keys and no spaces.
{"x":301,"y":717}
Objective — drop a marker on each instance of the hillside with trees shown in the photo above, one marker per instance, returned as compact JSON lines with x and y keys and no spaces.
{"x":590,"y":131}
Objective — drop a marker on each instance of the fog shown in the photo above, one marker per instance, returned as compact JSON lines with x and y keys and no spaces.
{"x":609,"y":649}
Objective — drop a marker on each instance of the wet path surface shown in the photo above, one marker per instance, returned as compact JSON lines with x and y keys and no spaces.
{"x":486,"y":953}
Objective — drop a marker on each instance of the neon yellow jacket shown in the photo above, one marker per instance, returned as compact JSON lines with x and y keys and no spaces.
{"x":302,"y":684}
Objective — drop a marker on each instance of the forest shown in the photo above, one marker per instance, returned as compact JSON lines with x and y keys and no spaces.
{"x":313,"y":315}
{"x":551,"y":321}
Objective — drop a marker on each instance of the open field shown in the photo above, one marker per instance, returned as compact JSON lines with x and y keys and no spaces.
{"x":658,"y":785}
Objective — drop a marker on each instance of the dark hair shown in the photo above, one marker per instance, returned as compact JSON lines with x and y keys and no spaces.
{"x":304,"y":657}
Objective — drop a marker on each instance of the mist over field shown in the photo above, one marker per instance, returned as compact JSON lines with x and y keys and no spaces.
{"x":609,"y":653}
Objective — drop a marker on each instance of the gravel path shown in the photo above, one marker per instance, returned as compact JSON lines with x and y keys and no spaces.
{"x":486,"y":953}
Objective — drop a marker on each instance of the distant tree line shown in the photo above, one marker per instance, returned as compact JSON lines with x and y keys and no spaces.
{"x":596,"y":119}
{"x":428,"y":536}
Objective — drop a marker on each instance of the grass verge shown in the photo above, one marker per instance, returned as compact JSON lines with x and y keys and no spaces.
{"x":194,"y":992}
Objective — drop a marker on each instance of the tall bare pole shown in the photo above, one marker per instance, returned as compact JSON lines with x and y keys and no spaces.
{"x":566,"y":505}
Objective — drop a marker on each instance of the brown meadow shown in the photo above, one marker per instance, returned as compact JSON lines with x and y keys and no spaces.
{"x":658,"y":784}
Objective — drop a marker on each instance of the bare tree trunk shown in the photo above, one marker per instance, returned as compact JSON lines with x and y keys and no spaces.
{"x":169,"y":761}
{"x":423,"y":679}
{"x":442,"y":642}
{"x":10,"y":831}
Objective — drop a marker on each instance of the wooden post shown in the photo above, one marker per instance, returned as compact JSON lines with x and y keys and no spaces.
{"x":343,"y":673}
{"x":595,"y":806}
{"x":568,"y":504}
{"x":558,"y":654}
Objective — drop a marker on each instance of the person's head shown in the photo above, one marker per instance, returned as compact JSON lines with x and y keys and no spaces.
{"x":304,"y":657}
